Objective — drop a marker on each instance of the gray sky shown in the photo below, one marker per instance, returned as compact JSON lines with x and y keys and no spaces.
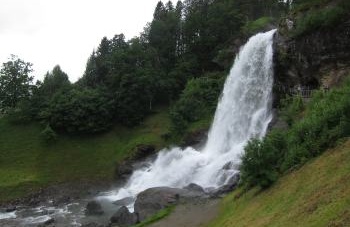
{"x":65,"y":32}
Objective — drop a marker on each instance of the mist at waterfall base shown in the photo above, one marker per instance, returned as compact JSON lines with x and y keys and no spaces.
{"x":243,"y":112}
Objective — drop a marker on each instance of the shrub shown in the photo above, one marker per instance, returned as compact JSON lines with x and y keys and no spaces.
{"x":317,"y":19}
{"x":252,"y":27}
{"x":81,"y":110}
{"x":291,"y":108}
{"x":326,"y":120}
{"x":261,"y":160}
{"x":48,"y":134}
{"x":198,"y":100}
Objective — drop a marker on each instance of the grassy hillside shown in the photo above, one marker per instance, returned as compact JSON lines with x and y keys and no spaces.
{"x":318,"y":194}
{"x":27,"y":163}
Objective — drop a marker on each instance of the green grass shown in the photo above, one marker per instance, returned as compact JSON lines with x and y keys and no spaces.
{"x":27,"y":162}
{"x":252,"y":27}
{"x":158,"y":216}
{"x":317,"y":194}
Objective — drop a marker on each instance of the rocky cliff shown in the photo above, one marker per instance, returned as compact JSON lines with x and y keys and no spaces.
{"x":318,"y":58}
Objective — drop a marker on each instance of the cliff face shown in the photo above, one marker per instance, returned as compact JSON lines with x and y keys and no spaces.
{"x":320,"y":58}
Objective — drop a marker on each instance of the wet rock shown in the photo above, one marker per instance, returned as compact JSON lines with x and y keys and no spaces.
{"x":48,"y":222}
{"x":93,"y":208}
{"x":194,"y":187}
{"x":123,"y":217}
{"x":10,"y":209}
{"x":92,"y":224}
{"x":152,"y":200}
{"x":227,"y":166}
{"x":143,"y":151}
{"x":195,"y":138}
{"x":124,"y":169}
{"x":124,"y":202}
{"x":61,"y":200}
{"x":231,"y":184}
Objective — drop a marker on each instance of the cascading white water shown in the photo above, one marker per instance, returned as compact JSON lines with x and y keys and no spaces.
{"x":243,"y":112}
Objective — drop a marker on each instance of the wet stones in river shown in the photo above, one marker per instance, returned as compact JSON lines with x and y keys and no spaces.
{"x":48,"y":222}
{"x":124,"y":218}
{"x":92,"y":224}
{"x":93,"y":208}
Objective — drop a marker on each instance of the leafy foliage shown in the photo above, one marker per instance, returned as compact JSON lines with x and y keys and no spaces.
{"x":251,"y":27}
{"x":198,"y":100}
{"x":15,"y":82}
{"x":48,"y":134}
{"x":319,"y":19}
{"x":326,"y":120}
{"x":81,"y":110}
{"x":261,"y":160}
{"x":180,"y":45}
{"x":291,"y":107}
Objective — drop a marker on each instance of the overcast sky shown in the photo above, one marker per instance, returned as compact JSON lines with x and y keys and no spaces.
{"x":65,"y":32}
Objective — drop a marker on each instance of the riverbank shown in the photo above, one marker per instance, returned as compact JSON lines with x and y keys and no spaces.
{"x":29,"y":165}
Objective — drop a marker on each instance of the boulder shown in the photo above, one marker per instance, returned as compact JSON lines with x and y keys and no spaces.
{"x":92,"y":224}
{"x":152,"y":200}
{"x":227,"y":166}
{"x":124,"y":169}
{"x":124,"y":202}
{"x":143,"y":151}
{"x":123,"y":217}
{"x":195,"y":138}
{"x":228,"y":187}
{"x":194,"y":187}
{"x":93,"y":208}
{"x":48,"y":222}
{"x":10,"y":209}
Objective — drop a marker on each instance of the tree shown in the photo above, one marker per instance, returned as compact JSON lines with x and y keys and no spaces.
{"x":15,"y":82}
{"x":81,"y":110}
{"x":43,"y":92}
{"x":54,"y":81}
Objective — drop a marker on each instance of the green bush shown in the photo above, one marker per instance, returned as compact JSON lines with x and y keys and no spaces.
{"x":252,"y":27}
{"x":291,"y":108}
{"x":198,"y":100}
{"x":261,"y":160}
{"x":20,"y":114}
{"x":317,"y":19}
{"x":81,"y":110}
{"x":48,"y":134}
{"x":326,"y":120}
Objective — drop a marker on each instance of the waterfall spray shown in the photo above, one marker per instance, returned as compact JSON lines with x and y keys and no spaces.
{"x":243,"y":112}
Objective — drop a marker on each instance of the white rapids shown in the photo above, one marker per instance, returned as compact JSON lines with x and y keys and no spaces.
{"x":243,"y":112}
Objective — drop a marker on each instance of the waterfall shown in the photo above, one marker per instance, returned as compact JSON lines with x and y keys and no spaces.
{"x":243,"y":112}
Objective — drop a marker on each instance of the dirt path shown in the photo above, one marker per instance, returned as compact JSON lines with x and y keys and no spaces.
{"x":191,"y":215}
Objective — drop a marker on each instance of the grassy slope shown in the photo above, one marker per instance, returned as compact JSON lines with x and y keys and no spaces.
{"x":27,"y":163}
{"x":318,"y":194}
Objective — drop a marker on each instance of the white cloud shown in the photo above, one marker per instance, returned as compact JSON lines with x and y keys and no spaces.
{"x":64,"y":32}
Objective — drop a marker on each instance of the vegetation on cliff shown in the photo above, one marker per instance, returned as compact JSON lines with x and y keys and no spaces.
{"x":317,"y":194}
{"x":325,"y":120}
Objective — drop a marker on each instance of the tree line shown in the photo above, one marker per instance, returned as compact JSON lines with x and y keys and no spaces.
{"x":174,"y":62}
